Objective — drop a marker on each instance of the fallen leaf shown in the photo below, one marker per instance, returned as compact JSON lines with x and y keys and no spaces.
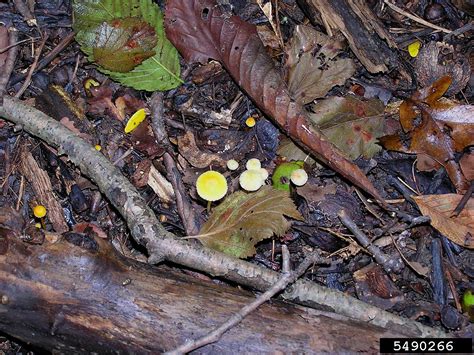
{"x":313,"y":66}
{"x":161,"y":71}
{"x":314,"y":194}
{"x":351,"y":124}
{"x":122,"y":44}
{"x":467,"y":165}
{"x":197,"y":157}
{"x":133,"y":122}
{"x":432,"y":137}
{"x":90,"y":229}
{"x":200,"y":31}
{"x":144,"y":141}
{"x":101,"y":102}
{"x":244,"y":219}
{"x":460,"y":229}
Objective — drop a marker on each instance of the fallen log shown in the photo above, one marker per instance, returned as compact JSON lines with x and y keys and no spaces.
{"x":81,"y":299}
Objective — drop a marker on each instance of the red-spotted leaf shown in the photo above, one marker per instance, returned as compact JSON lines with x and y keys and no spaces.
{"x":351,"y":124}
{"x":244,"y":219}
{"x":122,"y":44}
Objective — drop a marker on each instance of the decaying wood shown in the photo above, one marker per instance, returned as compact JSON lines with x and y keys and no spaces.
{"x":367,"y":37}
{"x":41,"y":184}
{"x":162,"y":245}
{"x":75,"y":300}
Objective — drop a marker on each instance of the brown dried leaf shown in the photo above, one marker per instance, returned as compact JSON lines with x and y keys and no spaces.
{"x":313,"y":69}
{"x":460,"y":229}
{"x":200,"y":31}
{"x":431,"y":136}
{"x":467,"y":165}
{"x":196,"y":157}
{"x":244,"y":219}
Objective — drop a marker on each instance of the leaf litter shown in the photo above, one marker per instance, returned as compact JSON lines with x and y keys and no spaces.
{"x":317,"y":70}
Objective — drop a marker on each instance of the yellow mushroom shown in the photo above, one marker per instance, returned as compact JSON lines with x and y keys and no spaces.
{"x":135,"y":120}
{"x":211,"y":186}
{"x":250,"y":122}
{"x":39,"y":211}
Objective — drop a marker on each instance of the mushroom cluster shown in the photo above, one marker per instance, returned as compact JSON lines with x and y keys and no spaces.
{"x":254,"y":177}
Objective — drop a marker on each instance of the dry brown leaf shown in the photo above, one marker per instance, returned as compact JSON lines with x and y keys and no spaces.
{"x":460,"y":229}
{"x":433,"y":137}
{"x":313,"y":66}
{"x":198,"y":158}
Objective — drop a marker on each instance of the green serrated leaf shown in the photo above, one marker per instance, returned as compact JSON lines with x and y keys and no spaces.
{"x":160,"y":72}
{"x":244,"y":219}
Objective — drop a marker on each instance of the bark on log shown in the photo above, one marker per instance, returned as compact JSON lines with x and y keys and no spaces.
{"x":76,"y":300}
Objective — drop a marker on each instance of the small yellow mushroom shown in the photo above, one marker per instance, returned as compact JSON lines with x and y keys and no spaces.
{"x":39,"y":211}
{"x":414,"y":49}
{"x":250,"y":122}
{"x":211,"y":186}
{"x":98,"y":147}
{"x":135,"y":120}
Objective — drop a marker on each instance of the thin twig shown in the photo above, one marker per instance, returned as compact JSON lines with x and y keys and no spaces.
{"x":390,"y":264}
{"x":43,"y":63}
{"x":463,"y":201}
{"x":32,"y":68}
{"x":4,"y":49}
{"x":286,"y":279}
{"x":186,"y":211}
{"x":415,"y":18}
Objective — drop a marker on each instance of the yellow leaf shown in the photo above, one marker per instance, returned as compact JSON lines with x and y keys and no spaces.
{"x":460,"y":229}
{"x":414,"y":48}
{"x":135,"y":120}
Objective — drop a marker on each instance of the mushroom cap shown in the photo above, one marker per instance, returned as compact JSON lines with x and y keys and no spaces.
{"x":250,"y":122}
{"x":135,"y":120}
{"x":253,"y":164}
{"x":251,"y":180}
{"x":211,"y":186}
{"x":39,"y":211}
{"x":264,"y":173}
{"x":299,"y":177}
{"x":232,"y":164}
